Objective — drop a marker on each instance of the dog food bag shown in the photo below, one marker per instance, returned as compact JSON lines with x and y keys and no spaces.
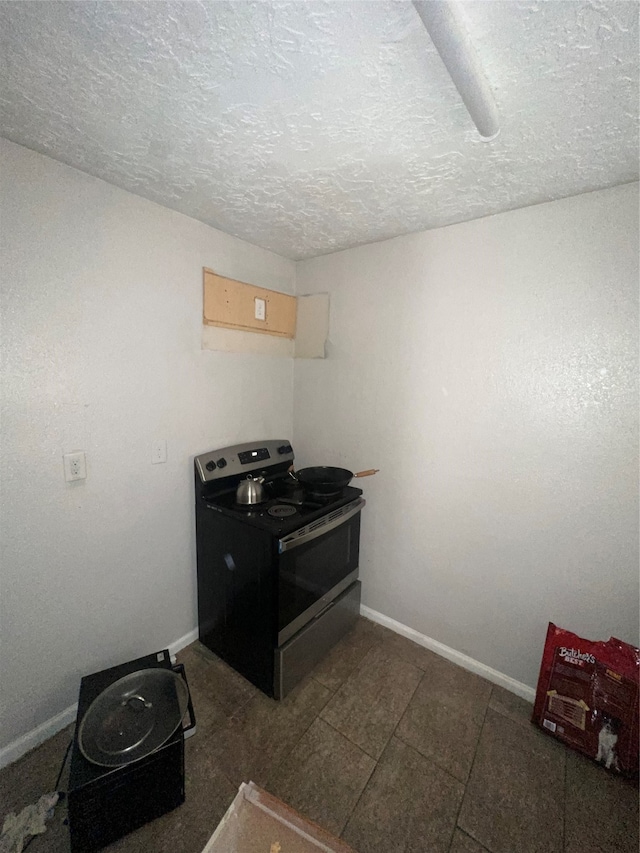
{"x":587,"y":697}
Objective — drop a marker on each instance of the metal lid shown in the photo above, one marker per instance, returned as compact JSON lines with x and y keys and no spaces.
{"x":133,"y":717}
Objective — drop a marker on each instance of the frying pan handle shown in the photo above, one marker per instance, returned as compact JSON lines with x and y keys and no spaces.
{"x":180,"y":670}
{"x":368,"y":473}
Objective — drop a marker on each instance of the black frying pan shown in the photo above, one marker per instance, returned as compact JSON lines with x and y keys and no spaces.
{"x":325,"y":480}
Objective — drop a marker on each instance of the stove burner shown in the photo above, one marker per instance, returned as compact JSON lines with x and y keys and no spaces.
{"x":281,"y":511}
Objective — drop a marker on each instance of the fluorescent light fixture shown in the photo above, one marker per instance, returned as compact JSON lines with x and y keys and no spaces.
{"x":446,"y":27}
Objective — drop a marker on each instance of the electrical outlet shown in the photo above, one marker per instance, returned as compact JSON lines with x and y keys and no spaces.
{"x":75,"y":466}
{"x":261,"y":309}
{"x":159,"y":451}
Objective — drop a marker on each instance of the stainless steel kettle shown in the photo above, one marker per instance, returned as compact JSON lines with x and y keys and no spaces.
{"x":250,"y":491}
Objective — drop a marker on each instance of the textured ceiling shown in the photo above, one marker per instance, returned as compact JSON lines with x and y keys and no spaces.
{"x":311,"y":127}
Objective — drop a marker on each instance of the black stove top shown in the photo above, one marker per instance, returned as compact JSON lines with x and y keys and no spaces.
{"x":286,"y":508}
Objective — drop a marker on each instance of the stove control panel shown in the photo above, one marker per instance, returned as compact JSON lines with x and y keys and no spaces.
{"x":246,"y":457}
{"x":243,"y":459}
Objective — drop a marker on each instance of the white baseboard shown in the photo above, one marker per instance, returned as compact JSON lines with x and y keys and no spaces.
{"x":492,"y":675}
{"x":53,"y":725}
{"x":35,"y":737}
{"x":183,"y":642}
{"x":50,"y":727}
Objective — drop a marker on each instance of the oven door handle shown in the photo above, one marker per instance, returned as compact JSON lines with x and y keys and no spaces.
{"x":316,"y":528}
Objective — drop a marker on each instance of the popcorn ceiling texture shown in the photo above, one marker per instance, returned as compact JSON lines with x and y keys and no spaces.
{"x":311,"y":127}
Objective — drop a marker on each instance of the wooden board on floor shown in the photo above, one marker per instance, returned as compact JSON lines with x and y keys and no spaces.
{"x":258,"y":822}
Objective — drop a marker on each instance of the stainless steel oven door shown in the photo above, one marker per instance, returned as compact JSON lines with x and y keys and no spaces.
{"x":316,"y":563}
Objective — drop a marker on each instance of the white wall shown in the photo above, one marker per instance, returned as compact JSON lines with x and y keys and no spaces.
{"x":101,"y":345}
{"x":489,"y":370}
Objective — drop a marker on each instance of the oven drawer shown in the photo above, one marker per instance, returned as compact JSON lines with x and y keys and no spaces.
{"x":304,"y":650}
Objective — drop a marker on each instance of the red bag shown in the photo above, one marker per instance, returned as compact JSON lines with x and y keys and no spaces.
{"x":587,"y":697}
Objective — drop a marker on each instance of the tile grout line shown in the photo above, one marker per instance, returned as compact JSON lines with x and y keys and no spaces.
{"x":359,"y":666}
{"x":345,"y":680}
{"x":274,"y":769}
{"x":475,"y":840}
{"x":319,"y":717}
{"x":431,"y":760}
{"x":376,"y":760}
{"x":355,"y":806}
{"x":353,"y":743}
{"x":473,"y":761}
{"x":316,"y":719}
{"x":373,"y":770}
{"x":357,"y":745}
{"x":395,"y":728}
{"x":364,"y":787}
{"x":377,"y":643}
{"x":351,"y":671}
{"x":317,"y":681}
{"x":209,"y":658}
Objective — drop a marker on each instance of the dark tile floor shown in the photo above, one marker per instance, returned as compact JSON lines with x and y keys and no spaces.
{"x":387,"y":745}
